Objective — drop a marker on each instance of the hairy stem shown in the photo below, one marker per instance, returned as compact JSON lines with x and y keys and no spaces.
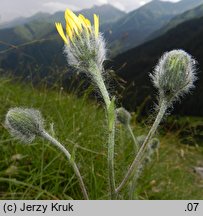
{"x":68,"y":155}
{"x":133,"y":184}
{"x":133,"y":137}
{"x":111,"y":141}
{"x":98,"y":80}
{"x":141,"y":151}
{"x":134,"y":180}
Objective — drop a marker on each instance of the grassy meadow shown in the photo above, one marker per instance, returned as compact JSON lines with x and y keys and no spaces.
{"x":40,"y":171}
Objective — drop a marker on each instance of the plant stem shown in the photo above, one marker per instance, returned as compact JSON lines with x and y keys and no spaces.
{"x":48,"y":137}
{"x":98,"y":80}
{"x":141,"y":151}
{"x":111,"y":141}
{"x":133,"y":137}
{"x":134,"y":180}
{"x":133,"y":184}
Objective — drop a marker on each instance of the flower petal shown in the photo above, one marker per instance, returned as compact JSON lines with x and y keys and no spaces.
{"x":83,"y":21}
{"x":70,"y":15}
{"x":61,"y":32}
{"x":88,"y":23}
{"x":69,"y":31}
{"x":71,"y":24}
{"x":96,"y":25}
{"x":84,"y":24}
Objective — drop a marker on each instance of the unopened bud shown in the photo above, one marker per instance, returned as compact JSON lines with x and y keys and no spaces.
{"x":154,"y":144}
{"x":24,"y":124}
{"x":174,"y":75}
{"x":123,"y":116}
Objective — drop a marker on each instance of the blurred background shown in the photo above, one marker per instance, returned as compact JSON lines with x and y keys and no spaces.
{"x":137,"y":33}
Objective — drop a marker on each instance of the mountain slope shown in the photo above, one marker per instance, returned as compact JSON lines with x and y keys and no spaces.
{"x":134,"y":65}
{"x":191,"y":14}
{"x":135,"y":27}
{"x":106,"y":12}
{"x":23,"y":20}
{"x":40,"y":25}
{"x":31,"y":31}
{"x":44,"y":58}
{"x":122,"y":31}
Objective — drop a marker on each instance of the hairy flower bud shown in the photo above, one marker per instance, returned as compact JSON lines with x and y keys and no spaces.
{"x":123,"y":116}
{"x":174,"y":74}
{"x":152,"y":147}
{"x":24,"y":124}
{"x":155,"y":143}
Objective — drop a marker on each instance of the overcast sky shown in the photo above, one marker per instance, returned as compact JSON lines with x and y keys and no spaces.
{"x":10,"y":9}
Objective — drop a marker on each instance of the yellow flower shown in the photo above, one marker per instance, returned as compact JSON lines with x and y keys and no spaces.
{"x":84,"y":46}
{"x":76,"y":26}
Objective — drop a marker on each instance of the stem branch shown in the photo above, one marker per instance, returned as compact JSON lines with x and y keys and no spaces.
{"x":142,"y":149}
{"x":68,"y":155}
{"x":133,"y":137}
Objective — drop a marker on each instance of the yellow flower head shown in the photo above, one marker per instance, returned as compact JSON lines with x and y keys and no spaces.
{"x":77,"y":27}
{"x":84,"y":45}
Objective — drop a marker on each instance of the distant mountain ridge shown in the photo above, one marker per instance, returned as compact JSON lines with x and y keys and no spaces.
{"x":23,"y":20}
{"x":197,"y":12}
{"x":134,"y":66}
{"x":134,"y":28}
{"x":41,"y":26}
{"x":46,"y":56}
{"x":106,"y":12}
{"x":122,"y":31}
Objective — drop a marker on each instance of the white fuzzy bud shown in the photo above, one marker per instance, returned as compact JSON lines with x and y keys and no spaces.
{"x":24,"y":123}
{"x":123,"y":116}
{"x":174,"y":74}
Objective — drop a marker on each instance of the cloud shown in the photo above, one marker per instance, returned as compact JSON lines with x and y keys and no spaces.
{"x":142,"y":3}
{"x":57,"y":6}
{"x":11,"y":9}
{"x":172,"y":0}
{"x":102,"y":1}
{"x":119,"y":5}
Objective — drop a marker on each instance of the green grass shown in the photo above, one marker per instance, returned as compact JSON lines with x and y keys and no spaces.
{"x":39,"y":171}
